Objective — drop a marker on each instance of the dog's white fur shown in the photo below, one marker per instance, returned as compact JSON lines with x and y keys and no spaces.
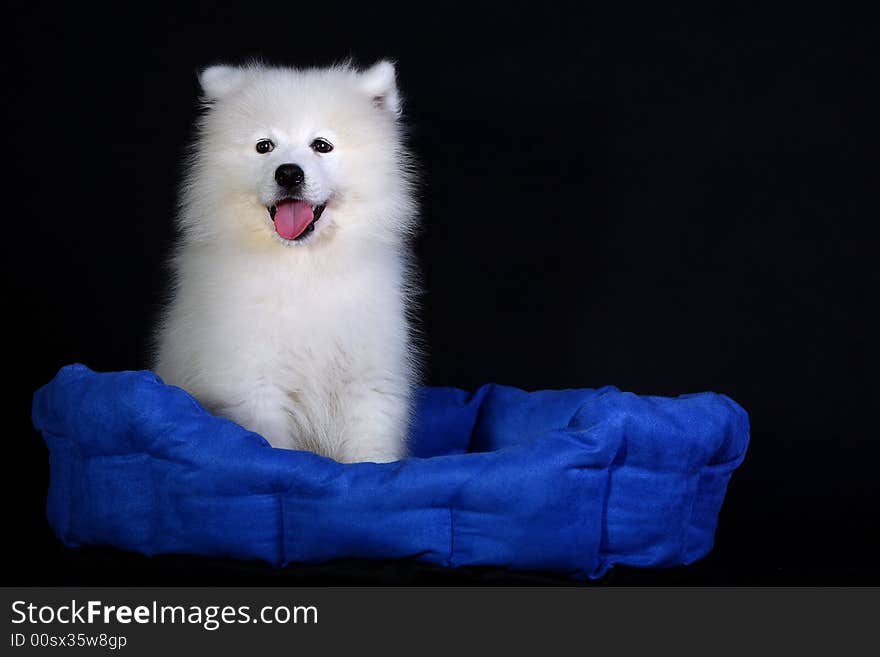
{"x":304,"y":342}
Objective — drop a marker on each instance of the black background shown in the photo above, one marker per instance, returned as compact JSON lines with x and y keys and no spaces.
{"x":662,"y":199}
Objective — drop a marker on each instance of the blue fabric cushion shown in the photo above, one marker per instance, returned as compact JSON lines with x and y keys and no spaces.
{"x":568,"y":481}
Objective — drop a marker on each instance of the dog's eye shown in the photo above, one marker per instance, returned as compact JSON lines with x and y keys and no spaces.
{"x":265,"y":146}
{"x":321,"y":146}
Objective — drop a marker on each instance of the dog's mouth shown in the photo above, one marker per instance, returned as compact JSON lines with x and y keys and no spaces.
{"x":294,"y":218}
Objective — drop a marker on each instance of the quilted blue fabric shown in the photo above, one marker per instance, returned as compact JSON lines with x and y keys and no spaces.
{"x":568,"y":481}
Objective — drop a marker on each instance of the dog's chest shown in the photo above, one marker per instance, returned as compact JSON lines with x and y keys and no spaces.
{"x":309,"y":326}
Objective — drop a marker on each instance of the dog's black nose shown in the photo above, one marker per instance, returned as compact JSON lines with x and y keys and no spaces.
{"x":289,"y":175}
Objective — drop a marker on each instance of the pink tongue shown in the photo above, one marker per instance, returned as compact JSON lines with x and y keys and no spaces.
{"x":292,"y":218}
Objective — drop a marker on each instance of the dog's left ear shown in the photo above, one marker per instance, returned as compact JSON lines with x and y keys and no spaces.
{"x":379,"y":81}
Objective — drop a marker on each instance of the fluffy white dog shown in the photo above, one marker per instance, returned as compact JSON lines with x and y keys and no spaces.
{"x":289,"y":308}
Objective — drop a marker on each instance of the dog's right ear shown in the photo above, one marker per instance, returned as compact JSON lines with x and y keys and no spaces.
{"x":220,"y":81}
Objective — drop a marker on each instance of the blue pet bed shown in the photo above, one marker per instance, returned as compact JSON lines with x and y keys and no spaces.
{"x":566,"y":481}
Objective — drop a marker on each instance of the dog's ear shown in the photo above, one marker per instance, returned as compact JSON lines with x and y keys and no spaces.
{"x":220,"y":81}
{"x":379,"y":81}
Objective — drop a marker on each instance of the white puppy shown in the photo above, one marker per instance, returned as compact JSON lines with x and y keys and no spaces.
{"x":291,"y":290}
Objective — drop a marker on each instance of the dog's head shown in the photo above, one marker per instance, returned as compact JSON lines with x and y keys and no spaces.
{"x":295,"y":157}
